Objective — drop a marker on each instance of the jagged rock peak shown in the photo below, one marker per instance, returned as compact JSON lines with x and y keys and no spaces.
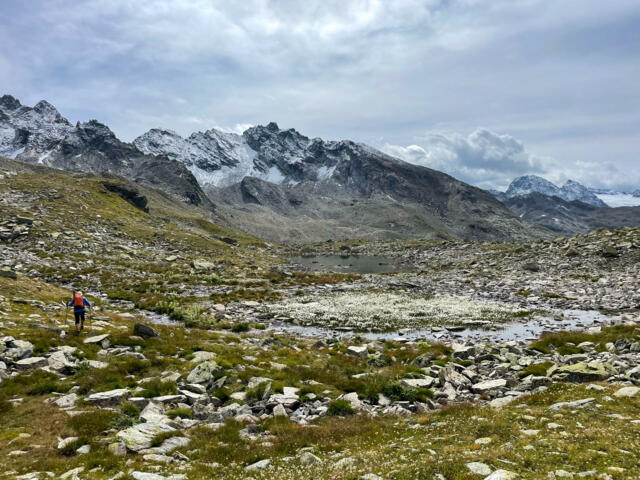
{"x":9,"y":102}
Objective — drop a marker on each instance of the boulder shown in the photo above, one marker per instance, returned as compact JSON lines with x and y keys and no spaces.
{"x":59,"y":362}
{"x":19,"y":349}
{"x":139,"y":436}
{"x":101,"y":340}
{"x":280,"y":411}
{"x":627,"y":392}
{"x":489,"y":386}
{"x":582,"y":372}
{"x":169,"y":445}
{"x":353,"y":400}
{"x":257,"y":466}
{"x":203,"y":356}
{"x":418,"y":382}
{"x":204,"y":372}
{"x":479,"y":468}
{"x":31,"y":363}
{"x":67,"y":401}
{"x":109,"y":398}
{"x":357,"y":350}
{"x":8,"y":273}
{"x":144,"y":331}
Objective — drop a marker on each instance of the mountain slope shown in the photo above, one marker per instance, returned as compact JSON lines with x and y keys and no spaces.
{"x":40,"y":135}
{"x":570,"y":218}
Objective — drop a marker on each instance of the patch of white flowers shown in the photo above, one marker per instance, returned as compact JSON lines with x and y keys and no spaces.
{"x":386,"y":311}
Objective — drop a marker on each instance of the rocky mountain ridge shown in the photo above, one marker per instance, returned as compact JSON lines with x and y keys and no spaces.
{"x":41,"y":135}
{"x":570,"y":191}
{"x":325,"y":183}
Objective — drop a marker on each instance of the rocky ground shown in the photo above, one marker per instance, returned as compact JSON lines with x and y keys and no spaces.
{"x":190,"y":366}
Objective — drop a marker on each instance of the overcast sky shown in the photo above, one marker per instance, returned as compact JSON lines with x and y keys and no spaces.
{"x":484,"y":90}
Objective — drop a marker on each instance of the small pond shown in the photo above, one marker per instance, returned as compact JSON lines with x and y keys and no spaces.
{"x":350,"y":263}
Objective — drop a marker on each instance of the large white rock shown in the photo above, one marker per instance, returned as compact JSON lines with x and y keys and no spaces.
{"x":59,"y":362}
{"x":31,"y":363}
{"x":67,"y":401}
{"x":257,"y":466}
{"x":353,"y":400}
{"x":139,"y":436}
{"x":98,"y":340}
{"x":479,"y":468}
{"x":357,"y":350}
{"x":489,"y":385}
{"x":112,"y":397}
{"x":202,"y":356}
{"x":627,"y":392}
{"x":203,"y":372}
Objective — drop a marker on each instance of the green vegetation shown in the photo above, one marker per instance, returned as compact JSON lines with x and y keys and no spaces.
{"x":339,"y":408}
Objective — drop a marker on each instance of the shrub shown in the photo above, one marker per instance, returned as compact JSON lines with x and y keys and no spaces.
{"x":130,"y":410}
{"x":340,"y":407}
{"x":399,"y":392}
{"x":92,"y":424}
{"x":179,"y":412}
{"x":240,"y":327}
{"x":158,"y":388}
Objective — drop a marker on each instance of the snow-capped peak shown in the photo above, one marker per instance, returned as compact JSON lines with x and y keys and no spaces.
{"x":570,"y":191}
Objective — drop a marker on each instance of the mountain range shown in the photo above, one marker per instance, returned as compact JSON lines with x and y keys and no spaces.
{"x":281,"y":185}
{"x":271,"y":182}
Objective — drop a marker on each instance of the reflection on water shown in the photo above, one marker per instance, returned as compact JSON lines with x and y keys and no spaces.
{"x":350,"y":263}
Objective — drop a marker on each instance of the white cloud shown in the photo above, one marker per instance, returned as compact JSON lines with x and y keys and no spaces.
{"x":483,"y":158}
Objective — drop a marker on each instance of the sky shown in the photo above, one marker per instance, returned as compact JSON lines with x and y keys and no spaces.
{"x":483,"y":90}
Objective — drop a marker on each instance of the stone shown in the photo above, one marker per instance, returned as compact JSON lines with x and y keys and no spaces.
{"x":280,"y":411}
{"x":109,"y":398}
{"x":168,"y":446}
{"x":489,"y":385}
{"x":308,"y":458}
{"x":479,"y":468}
{"x":154,"y":476}
{"x":83,"y":450}
{"x":583,"y":372}
{"x":483,"y":441}
{"x":357,"y":350}
{"x":575,"y":404}
{"x":258,"y":466}
{"x":153,"y":412}
{"x":67,"y":401}
{"x":370,"y":476}
{"x":204,"y":372}
{"x":72,"y":474}
{"x":501,"y":402}
{"x":19,"y":349}
{"x":144,"y":331}
{"x":418,"y":382}
{"x":59,"y":362}
{"x":101,"y":340}
{"x":203,"y":356}
{"x":139,"y":436}
{"x":63,"y":442}
{"x":200,"y":264}
{"x":31,"y":363}
{"x":353,"y":400}
{"x":501,"y":475}
{"x":8,"y":273}
{"x":117,"y":449}
{"x":627,"y":392}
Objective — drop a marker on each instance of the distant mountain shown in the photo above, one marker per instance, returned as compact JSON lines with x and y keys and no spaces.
{"x":40,"y":135}
{"x":282,"y":185}
{"x":570,"y":218}
{"x":570,"y":191}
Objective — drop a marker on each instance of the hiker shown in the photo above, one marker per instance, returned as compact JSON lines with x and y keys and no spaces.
{"x":78,"y":302}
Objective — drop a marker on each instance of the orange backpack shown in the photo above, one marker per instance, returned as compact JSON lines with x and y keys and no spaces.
{"x":78,"y":301}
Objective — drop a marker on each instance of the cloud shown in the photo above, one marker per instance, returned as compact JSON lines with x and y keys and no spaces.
{"x":483,"y":158}
{"x":552,"y":75}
